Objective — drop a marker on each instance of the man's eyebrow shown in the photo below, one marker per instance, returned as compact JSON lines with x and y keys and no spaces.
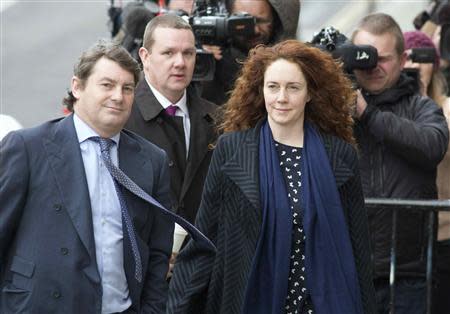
{"x":105,"y":78}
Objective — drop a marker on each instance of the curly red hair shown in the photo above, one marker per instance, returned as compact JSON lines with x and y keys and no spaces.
{"x":332,"y":96}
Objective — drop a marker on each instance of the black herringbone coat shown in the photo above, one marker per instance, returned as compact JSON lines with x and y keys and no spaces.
{"x":230,"y":215}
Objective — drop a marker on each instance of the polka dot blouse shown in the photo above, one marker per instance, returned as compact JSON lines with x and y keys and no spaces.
{"x":297,"y":300}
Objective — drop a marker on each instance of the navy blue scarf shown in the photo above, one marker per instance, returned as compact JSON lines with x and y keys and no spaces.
{"x":331,"y":276}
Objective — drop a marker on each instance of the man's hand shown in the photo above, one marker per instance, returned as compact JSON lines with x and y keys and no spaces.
{"x":215,"y":50}
{"x":171,"y":264}
{"x":361,"y":105}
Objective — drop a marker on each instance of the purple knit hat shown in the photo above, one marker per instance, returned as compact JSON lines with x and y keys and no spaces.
{"x":418,"y":39}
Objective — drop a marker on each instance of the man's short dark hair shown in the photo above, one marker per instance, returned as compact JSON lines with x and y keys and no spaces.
{"x":167,"y":21}
{"x":380,"y":24}
{"x":89,"y":58}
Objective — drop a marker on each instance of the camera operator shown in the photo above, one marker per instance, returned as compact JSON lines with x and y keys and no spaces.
{"x":275,"y":20}
{"x":402,"y":137}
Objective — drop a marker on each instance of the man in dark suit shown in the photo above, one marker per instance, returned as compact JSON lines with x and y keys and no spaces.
{"x":170,"y":114}
{"x":71,"y":239}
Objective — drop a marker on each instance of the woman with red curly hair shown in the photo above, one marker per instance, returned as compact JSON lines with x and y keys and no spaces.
{"x":282,"y":201}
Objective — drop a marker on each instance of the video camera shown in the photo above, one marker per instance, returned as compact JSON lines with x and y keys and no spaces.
{"x":213,"y":25}
{"x":419,"y":55}
{"x":361,"y":57}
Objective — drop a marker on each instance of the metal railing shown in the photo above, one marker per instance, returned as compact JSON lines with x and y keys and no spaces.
{"x":431,"y":206}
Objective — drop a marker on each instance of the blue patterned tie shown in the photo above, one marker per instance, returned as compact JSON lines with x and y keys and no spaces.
{"x":105,"y":145}
{"x":121,"y":178}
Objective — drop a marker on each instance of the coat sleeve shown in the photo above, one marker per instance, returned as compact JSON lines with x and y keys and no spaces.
{"x":154,"y":292}
{"x":189,"y":284}
{"x":14,"y":176}
{"x":421,"y":140}
{"x":353,"y":202}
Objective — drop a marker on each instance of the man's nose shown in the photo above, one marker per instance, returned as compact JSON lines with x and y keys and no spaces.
{"x":179,"y":60}
{"x":117,"y":94}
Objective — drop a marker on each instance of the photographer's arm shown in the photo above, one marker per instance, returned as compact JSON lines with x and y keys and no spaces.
{"x":421,"y":140}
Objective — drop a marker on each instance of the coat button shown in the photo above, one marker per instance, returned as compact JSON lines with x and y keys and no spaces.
{"x":170,"y":163}
{"x":64,"y":251}
{"x":56,"y":294}
{"x":57,"y":207}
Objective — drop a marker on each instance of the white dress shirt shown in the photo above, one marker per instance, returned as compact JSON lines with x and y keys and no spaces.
{"x":106,"y":218}
{"x":181,"y":112}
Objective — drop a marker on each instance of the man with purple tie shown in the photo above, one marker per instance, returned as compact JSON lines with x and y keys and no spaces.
{"x":169,"y":114}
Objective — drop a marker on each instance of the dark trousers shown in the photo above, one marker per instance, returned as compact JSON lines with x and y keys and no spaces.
{"x":410,"y":296}
{"x":441,"y":291}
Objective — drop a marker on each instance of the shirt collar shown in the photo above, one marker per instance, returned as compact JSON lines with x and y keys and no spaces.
{"x":84,"y":131}
{"x":181,"y":104}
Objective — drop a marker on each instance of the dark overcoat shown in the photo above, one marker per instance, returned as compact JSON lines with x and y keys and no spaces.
{"x":230,"y":215}
{"x":186,"y":176}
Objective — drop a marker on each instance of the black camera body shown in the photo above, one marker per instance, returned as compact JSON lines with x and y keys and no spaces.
{"x":419,"y":55}
{"x":215,"y":26}
{"x":220,"y":28}
{"x":212,"y":25}
{"x":423,"y":55}
{"x":361,"y":57}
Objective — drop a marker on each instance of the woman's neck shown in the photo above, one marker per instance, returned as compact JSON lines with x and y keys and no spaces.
{"x":291,"y":135}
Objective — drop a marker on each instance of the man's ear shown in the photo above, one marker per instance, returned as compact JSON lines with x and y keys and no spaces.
{"x":76,"y":87}
{"x":403,"y":58}
{"x":143,"y":54}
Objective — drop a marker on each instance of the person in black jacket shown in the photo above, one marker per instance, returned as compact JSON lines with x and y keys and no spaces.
{"x":283,"y":200}
{"x":169,"y":114}
{"x":402,"y":137}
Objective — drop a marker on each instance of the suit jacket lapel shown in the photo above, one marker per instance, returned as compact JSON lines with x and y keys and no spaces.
{"x":134,"y":163}
{"x":64,"y":156}
{"x":199,"y":140}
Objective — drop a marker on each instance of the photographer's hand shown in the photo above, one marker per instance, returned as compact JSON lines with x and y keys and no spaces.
{"x":215,"y":50}
{"x":361,"y":105}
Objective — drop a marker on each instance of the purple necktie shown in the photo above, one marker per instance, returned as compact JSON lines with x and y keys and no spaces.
{"x":171,"y":110}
